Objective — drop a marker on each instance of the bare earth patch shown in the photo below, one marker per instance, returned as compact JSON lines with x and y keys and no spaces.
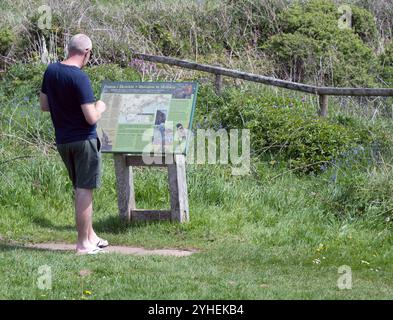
{"x":114,"y":249}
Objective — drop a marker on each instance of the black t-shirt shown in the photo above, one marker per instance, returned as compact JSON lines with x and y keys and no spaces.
{"x":67,"y":88}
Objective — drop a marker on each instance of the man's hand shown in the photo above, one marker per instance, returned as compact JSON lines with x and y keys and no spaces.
{"x":100,"y":106}
{"x":93,"y":111}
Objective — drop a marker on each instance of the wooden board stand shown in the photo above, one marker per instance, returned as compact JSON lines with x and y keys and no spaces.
{"x":177,"y":186}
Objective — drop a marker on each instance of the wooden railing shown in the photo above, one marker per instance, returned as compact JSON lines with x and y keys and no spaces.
{"x":219,"y":72}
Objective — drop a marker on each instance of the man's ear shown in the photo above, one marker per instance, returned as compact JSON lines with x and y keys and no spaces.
{"x":85,"y":60}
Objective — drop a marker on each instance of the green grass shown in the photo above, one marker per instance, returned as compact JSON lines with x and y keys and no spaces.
{"x":257,"y":238}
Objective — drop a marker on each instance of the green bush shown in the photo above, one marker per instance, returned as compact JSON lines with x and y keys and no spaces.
{"x":31,"y":38}
{"x":110,"y":72}
{"x":19,"y":104}
{"x":312,"y":47}
{"x":23,"y":79}
{"x":295,"y":54}
{"x":7,"y":37}
{"x":386,"y":60}
{"x":286,"y":129}
{"x":162,"y":37}
{"x":363,"y":24}
{"x":253,"y":22}
{"x":281,"y":127}
{"x":375,"y":136}
{"x":307,"y":143}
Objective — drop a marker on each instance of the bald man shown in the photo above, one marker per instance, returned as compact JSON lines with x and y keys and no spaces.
{"x":67,"y":94}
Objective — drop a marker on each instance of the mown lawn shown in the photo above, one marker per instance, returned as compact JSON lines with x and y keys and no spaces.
{"x":258,"y":237}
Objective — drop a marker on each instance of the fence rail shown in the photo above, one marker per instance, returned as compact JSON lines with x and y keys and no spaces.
{"x":219,"y":72}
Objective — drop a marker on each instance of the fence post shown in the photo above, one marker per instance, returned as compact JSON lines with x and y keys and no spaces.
{"x":218,"y":84}
{"x":323,"y":105}
{"x":218,"y":81}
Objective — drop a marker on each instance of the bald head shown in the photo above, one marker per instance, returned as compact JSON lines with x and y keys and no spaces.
{"x":79,"y":45}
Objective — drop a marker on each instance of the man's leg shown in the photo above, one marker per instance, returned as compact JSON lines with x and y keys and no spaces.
{"x":84,"y":211}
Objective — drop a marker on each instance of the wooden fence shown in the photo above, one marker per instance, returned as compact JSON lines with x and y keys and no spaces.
{"x":219,"y":72}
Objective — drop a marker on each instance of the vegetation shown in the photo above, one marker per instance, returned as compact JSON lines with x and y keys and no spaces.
{"x":294,"y":40}
{"x":387,"y":65}
{"x":289,"y":130}
{"x":6,"y":39}
{"x":319,"y":193}
{"x":312,"y":46}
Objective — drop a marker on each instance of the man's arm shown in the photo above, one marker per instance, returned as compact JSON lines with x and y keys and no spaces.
{"x":44,"y":102}
{"x":93,"y":111}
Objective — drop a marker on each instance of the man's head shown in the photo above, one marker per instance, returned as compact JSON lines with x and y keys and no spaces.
{"x":80,"y":47}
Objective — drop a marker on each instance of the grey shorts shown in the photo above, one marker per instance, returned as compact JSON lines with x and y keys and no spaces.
{"x":83,"y":162}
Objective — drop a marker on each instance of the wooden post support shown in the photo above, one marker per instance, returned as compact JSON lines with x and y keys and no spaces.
{"x":218,"y":84}
{"x":323,"y":105}
{"x":176,"y":165}
{"x":178,"y":189}
{"x":125,"y":187}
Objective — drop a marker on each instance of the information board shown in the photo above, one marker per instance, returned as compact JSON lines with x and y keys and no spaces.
{"x":147,"y":117}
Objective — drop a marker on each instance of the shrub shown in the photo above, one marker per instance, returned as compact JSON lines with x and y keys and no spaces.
{"x":23,"y":79}
{"x":306,"y":143}
{"x":19,"y":104}
{"x":33,"y":38}
{"x":363,"y":24}
{"x":287,"y":129}
{"x":295,"y":54}
{"x":386,"y":60}
{"x":109,"y":72}
{"x":313,"y":48}
{"x":7,"y":37}
{"x":158,"y":34}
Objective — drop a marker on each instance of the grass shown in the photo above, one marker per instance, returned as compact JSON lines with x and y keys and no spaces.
{"x":270,"y":235}
{"x":257,"y":239}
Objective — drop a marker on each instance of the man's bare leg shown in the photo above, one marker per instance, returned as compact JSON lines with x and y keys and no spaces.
{"x":84,"y":211}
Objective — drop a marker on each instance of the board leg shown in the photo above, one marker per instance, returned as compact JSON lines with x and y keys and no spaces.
{"x":124,"y":186}
{"x":178,"y":189}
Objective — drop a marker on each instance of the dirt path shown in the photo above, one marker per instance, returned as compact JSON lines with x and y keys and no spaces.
{"x":115,"y":249}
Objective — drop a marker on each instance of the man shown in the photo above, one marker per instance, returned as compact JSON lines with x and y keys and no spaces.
{"x":67,"y":94}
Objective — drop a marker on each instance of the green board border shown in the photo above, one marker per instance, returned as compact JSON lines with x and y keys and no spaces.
{"x":193,"y":107}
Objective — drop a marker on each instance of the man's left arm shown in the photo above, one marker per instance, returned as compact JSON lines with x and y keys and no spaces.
{"x":44,"y":102}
